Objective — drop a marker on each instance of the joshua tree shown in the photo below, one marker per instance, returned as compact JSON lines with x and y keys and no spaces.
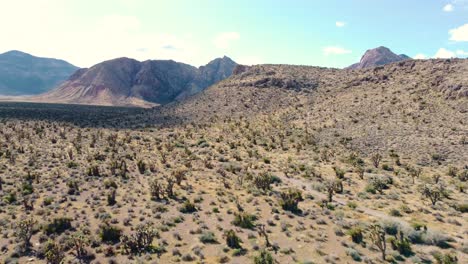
{"x":170,"y":187}
{"x":415,"y":173}
{"x":79,"y":241}
{"x":433,"y":192}
{"x":141,"y":240}
{"x":378,"y":236}
{"x":332,"y":187}
{"x":179,"y":176}
{"x":263,"y":181}
{"x":262,"y":232}
{"x":111,"y":196}
{"x":376,"y":158}
{"x":156,"y":189}
{"x":360,"y":171}
{"x":24,"y":231}
{"x":53,"y":252}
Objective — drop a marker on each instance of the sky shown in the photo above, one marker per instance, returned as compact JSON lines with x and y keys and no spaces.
{"x":329,"y":33}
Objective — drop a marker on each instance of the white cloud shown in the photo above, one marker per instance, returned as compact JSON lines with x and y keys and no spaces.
{"x":444,"y":54}
{"x":461,"y":53}
{"x":335,"y":50}
{"x":420,"y":56}
{"x":49,"y":28}
{"x":448,"y":8}
{"x":223,"y":40}
{"x":340,"y":24}
{"x":460,"y":33}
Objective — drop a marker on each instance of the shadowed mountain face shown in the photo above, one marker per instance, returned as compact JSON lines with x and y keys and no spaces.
{"x":24,"y":74}
{"x":127,"y":82}
{"x":377,"y":57}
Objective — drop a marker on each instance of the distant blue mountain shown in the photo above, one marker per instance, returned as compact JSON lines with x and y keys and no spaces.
{"x":24,"y":74}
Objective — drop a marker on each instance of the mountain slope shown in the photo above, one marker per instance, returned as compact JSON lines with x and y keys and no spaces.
{"x":378,"y":57}
{"x":24,"y":74}
{"x":409,"y":106}
{"x":127,"y":82}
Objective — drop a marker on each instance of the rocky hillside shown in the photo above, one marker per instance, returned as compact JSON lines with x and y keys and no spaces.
{"x":127,"y":82}
{"x":377,"y":57}
{"x":406,"y":106}
{"x":24,"y":74}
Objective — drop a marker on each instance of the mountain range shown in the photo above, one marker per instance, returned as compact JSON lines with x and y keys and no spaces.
{"x":127,"y":82}
{"x":24,"y":74}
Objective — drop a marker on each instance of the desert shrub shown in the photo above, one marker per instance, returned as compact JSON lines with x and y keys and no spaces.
{"x":264,"y":257}
{"x":379,"y":183}
{"x":188,"y":208}
{"x":244,"y":220}
{"x":356,"y":234}
{"x":263,"y":181}
{"x":354,"y":254}
{"x":463,"y":208}
{"x":290,"y":200}
{"x":58,"y":225}
{"x":48,"y":201}
{"x":402,"y":245}
{"x":208,"y":238}
{"x":109,"y":234}
{"x":10,"y":198}
{"x":73,"y":187}
{"x":232,"y":240}
{"x":447,"y":258}
{"x":27,"y":188}
{"x":339,"y":172}
{"x":395,"y":212}
{"x":109,"y":183}
{"x":390,"y":227}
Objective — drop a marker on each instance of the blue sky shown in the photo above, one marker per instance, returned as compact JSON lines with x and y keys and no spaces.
{"x":328,"y":33}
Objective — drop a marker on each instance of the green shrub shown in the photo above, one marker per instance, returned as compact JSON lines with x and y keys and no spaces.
{"x":48,"y":201}
{"x":395,"y":212}
{"x":448,"y":258}
{"x":463,"y":208}
{"x":188,"y":207}
{"x":264,"y":258}
{"x":244,"y":220}
{"x":10,"y":198}
{"x":58,"y":225}
{"x":402,"y":245}
{"x":232,"y":240}
{"x":110,"y":234}
{"x":208,"y":238}
{"x":356,"y":234}
{"x":290,"y":200}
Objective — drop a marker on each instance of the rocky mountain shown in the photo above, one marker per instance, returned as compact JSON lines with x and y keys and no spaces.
{"x":127,"y":82}
{"x":377,"y":57}
{"x":404,"y":106}
{"x":24,"y":74}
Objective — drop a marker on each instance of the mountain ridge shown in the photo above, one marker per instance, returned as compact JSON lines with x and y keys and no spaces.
{"x":128,"y":82}
{"x":25,"y":74}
